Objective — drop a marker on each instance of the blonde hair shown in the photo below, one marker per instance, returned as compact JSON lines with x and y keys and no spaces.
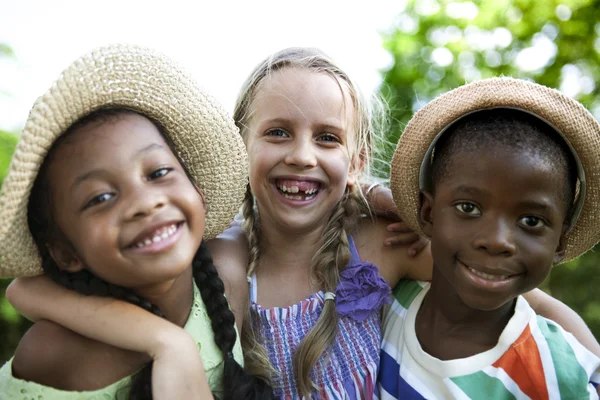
{"x":334,"y":253}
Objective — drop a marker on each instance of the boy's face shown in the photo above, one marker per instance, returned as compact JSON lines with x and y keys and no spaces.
{"x":495,"y":221}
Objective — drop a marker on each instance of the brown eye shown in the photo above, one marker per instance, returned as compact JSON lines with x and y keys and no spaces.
{"x":468,"y":208}
{"x":98,"y":199}
{"x":532,"y":222}
{"x":159,"y":173}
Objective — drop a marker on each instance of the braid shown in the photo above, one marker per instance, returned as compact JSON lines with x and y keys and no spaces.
{"x":327,"y":263}
{"x":252,"y":228}
{"x":236,"y":383}
{"x":255,"y":354}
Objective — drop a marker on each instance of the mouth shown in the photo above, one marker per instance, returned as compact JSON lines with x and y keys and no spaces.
{"x":489,"y":279}
{"x":300,"y":190}
{"x":156,"y":236}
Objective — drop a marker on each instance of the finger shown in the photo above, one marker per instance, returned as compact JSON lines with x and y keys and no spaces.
{"x":399,"y":227}
{"x":417,"y":246}
{"x":402,"y":240}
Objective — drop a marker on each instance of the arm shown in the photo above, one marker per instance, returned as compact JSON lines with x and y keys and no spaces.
{"x":230,"y":255}
{"x":551,"y":308}
{"x":381,"y":200}
{"x":177,"y":365}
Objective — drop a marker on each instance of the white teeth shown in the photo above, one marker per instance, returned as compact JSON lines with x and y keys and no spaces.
{"x":287,"y":196}
{"x":488,"y":276}
{"x":294,"y":189}
{"x":158,"y":237}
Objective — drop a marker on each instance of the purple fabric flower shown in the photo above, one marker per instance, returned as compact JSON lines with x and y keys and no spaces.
{"x":361,"y":291}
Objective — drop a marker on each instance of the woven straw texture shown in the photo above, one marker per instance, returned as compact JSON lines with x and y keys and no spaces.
{"x":567,"y":115}
{"x":139,"y":79}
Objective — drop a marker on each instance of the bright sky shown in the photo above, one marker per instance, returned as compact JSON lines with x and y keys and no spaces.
{"x":219,"y":41}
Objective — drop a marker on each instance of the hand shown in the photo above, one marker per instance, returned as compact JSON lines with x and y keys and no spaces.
{"x":381,"y":200}
{"x":177,"y":372}
{"x":405,"y":236}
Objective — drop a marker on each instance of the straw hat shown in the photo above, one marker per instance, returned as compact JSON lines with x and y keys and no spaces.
{"x":138,"y":79}
{"x":411,"y":163}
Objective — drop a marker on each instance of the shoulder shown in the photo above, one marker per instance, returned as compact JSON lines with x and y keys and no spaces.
{"x":560,"y":346}
{"x":230,"y":256}
{"x":54,"y":356}
{"x":42,"y":355}
{"x":393,"y":262}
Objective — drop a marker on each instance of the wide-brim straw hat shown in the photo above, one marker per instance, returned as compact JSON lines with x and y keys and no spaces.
{"x":203,"y":134}
{"x":411,"y":163}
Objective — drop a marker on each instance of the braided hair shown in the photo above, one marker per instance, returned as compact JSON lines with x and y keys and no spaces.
{"x":239,"y":384}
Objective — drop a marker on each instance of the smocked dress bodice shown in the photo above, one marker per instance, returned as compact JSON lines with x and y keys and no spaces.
{"x":347,"y":371}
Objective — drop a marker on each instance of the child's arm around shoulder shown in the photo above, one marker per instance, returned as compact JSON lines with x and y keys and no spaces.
{"x":393,"y":262}
{"x":103,"y":319}
{"x":551,"y":308}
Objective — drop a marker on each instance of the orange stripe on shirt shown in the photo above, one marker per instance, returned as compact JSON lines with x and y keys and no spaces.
{"x":522,"y":362}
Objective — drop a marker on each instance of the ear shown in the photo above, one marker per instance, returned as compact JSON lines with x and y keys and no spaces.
{"x":355,"y":169}
{"x":559,"y":254}
{"x":201,"y":196}
{"x":425,"y":212}
{"x":65,"y":258}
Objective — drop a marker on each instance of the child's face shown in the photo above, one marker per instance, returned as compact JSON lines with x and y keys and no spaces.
{"x":298,"y":143}
{"x":496,"y":224}
{"x":123,"y":202}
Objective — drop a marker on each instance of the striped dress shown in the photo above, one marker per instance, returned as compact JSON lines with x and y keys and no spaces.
{"x":348,"y":371}
{"x":534,"y":359}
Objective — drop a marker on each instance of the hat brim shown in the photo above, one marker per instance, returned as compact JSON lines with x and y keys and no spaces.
{"x":203,"y":135}
{"x":576,"y":124}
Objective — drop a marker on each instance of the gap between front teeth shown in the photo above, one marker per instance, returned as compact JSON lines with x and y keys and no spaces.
{"x":295,"y":189}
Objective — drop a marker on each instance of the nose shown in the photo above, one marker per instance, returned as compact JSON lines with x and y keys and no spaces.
{"x":143,"y":201}
{"x":302,"y":153}
{"x":496,"y":238}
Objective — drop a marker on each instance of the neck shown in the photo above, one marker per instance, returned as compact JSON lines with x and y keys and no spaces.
{"x":461,"y":330}
{"x":173,"y":298}
{"x":286,"y":250}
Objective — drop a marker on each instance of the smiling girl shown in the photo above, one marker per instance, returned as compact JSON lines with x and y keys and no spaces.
{"x":112,"y":190}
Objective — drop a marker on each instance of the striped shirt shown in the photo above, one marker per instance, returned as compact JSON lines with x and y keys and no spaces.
{"x":347,"y":371}
{"x":534,"y":359}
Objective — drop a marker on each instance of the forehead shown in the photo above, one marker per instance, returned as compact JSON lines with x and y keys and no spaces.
{"x":299,"y":93}
{"x":514,"y":170}
{"x":109,"y":141}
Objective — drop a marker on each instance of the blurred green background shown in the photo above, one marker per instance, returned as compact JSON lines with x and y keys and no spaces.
{"x":438,"y":45}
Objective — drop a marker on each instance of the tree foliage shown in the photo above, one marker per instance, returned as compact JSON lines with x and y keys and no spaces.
{"x":438,"y":45}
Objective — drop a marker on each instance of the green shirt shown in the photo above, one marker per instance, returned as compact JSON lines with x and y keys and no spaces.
{"x":198,"y":325}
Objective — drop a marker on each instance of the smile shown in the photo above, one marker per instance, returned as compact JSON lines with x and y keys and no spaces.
{"x":297,"y":190}
{"x":487,"y":280}
{"x":159,"y":240}
{"x":488,"y":276}
{"x":158,"y":236}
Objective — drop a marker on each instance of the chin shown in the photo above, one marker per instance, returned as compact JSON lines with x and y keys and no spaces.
{"x":486,"y":302}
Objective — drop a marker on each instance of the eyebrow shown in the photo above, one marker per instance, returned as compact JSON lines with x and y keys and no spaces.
{"x":541,"y":205}
{"x":468,"y":190}
{"x":99,"y":172}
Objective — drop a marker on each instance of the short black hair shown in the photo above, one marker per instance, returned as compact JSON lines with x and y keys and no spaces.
{"x":508,"y":128}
